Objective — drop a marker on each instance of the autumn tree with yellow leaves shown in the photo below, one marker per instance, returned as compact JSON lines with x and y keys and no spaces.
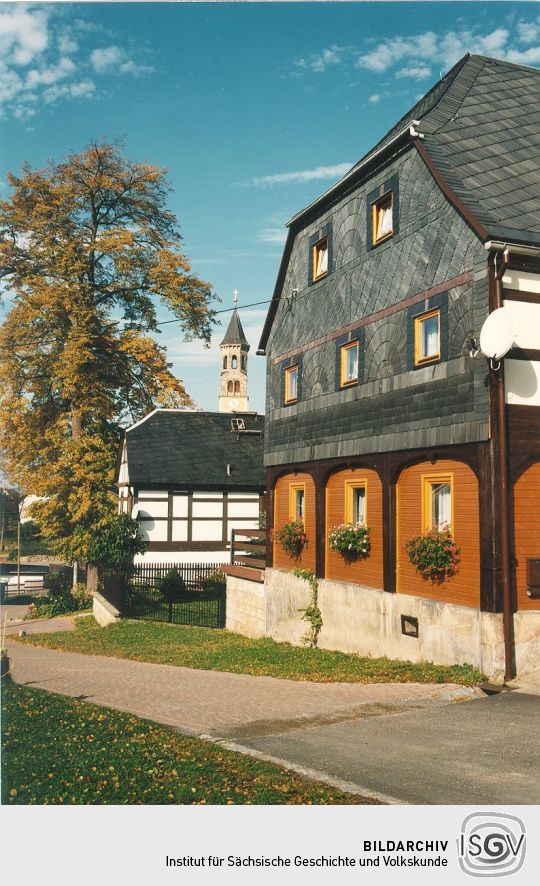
{"x":88,"y":249}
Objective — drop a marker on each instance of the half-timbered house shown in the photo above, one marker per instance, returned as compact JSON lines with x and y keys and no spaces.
{"x":382,"y":410}
{"x":192,"y":477}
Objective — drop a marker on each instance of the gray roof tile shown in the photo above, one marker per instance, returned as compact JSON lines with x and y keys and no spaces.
{"x":191,"y":450}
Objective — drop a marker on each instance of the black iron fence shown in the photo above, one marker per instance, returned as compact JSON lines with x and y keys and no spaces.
{"x":184,"y":594}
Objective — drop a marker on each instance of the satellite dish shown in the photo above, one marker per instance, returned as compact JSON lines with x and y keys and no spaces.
{"x":497,"y":334}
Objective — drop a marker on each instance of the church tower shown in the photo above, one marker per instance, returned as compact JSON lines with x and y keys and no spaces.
{"x":234,"y":349}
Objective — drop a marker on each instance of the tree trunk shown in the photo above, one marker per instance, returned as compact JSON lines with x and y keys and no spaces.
{"x":76,"y":424}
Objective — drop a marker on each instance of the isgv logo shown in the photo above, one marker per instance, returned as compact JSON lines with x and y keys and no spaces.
{"x":491,"y":844}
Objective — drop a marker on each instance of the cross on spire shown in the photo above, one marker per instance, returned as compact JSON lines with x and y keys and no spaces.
{"x":235,"y":297}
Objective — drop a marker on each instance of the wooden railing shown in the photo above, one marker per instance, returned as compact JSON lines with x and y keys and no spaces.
{"x":248,"y":554}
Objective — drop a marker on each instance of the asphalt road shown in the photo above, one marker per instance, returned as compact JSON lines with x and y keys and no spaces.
{"x":476,"y":752}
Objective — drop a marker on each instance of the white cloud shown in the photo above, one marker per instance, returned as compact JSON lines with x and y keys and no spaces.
{"x":67,"y":44}
{"x":23,"y":33}
{"x":304,"y":175}
{"x":374,"y":99}
{"x":272,"y":235}
{"x":417,"y":72}
{"x":528,"y":32}
{"x":114,"y":59}
{"x":103,"y":60}
{"x":48,"y":75}
{"x":443,"y":50}
{"x":43,"y":60}
{"x":333,"y":55}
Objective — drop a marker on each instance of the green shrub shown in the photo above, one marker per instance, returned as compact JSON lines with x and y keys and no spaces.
{"x":172,"y":585}
{"x":61,"y":601}
{"x":213,"y":581}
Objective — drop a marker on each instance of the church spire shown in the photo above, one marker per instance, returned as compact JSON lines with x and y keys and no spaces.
{"x":234,"y":350}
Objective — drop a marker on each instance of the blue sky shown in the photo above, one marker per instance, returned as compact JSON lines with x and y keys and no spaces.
{"x":255,"y":108}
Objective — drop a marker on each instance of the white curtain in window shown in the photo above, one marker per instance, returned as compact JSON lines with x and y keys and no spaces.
{"x":384,"y":222}
{"x":430,"y":336}
{"x":352,"y":363}
{"x":359,"y":510}
{"x":293,"y":384}
{"x":441,"y":505}
{"x":300,"y":504}
{"x":322,"y":260}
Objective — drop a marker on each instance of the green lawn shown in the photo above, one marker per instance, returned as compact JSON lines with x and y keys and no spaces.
{"x":217,"y":650}
{"x":58,"y":750}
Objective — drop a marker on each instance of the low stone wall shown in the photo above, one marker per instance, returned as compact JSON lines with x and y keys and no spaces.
{"x":367,"y":621}
{"x":245,"y":609}
{"x":527,"y":641}
{"x":103,"y":611}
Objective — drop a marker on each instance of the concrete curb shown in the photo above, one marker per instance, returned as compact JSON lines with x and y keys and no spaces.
{"x":315,"y":774}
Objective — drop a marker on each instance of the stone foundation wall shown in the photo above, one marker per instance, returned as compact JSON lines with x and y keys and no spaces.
{"x":366,"y":621}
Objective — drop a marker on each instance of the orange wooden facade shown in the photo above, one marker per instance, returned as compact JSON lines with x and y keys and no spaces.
{"x":527,"y":530}
{"x":365,"y":570}
{"x":306,"y":560}
{"x":464,"y":587}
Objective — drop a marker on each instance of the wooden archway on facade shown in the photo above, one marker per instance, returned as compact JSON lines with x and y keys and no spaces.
{"x":364,"y":570}
{"x":526,"y":530}
{"x":282,"y":515}
{"x":464,"y":587}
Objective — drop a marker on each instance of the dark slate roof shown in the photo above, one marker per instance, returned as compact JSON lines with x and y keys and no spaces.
{"x":484,"y":138}
{"x":190,"y":450}
{"x":235,"y":333}
{"x":481,"y":127}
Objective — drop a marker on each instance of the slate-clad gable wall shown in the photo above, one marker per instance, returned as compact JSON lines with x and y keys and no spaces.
{"x":394,"y":406}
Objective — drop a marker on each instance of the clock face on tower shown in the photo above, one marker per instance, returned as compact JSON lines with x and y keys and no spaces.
{"x":234,"y":404}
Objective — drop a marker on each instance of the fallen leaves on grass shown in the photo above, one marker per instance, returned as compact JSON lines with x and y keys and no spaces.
{"x":220,"y":650}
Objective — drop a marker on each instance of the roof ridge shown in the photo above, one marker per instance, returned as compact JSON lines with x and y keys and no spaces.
{"x":409,"y":115}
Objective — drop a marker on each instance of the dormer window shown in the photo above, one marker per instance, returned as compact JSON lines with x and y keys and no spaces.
{"x":320,"y":258}
{"x":382,"y":218}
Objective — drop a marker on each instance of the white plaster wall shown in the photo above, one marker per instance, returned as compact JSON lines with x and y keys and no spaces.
{"x":207,"y":509}
{"x":149,"y":493}
{"x":207,"y":530}
{"x":248,"y":509}
{"x":149,"y":509}
{"x":526,"y":323}
{"x":173,"y":557}
{"x":151,"y":531}
{"x":521,"y":280}
{"x":179,"y":530}
{"x":522,"y":382}
{"x":180,"y":505}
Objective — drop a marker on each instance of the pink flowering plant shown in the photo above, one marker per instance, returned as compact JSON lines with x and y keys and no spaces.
{"x":434,"y":554}
{"x":350,"y":540}
{"x":292,"y":537}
